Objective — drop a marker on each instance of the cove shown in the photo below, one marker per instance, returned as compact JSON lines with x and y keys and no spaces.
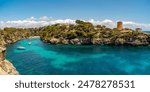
{"x":40,"y":58}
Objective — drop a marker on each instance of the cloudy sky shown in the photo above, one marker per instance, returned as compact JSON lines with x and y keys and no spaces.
{"x":35,"y":13}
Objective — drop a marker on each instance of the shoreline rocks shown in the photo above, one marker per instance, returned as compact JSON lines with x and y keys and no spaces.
{"x":82,"y":33}
{"x":6,"y":68}
{"x":138,"y":41}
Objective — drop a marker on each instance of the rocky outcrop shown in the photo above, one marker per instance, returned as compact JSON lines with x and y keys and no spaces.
{"x":86,"y":33}
{"x":54,"y":41}
{"x":131,"y":38}
{"x":64,"y":41}
{"x":6,"y":68}
{"x":120,"y":41}
{"x":75,"y":41}
{"x":97,"y":41}
{"x":11,"y":40}
{"x":86,"y":41}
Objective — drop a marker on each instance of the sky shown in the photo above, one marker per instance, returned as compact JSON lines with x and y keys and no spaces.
{"x":135,"y":12}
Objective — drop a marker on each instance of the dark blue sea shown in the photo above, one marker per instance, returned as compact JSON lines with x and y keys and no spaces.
{"x":45,"y":59}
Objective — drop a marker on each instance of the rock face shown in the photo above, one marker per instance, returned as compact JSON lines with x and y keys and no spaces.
{"x":123,"y":38}
{"x":6,"y":68}
{"x":2,"y":53}
{"x":54,"y":41}
{"x":97,"y":41}
{"x":85,"y":33}
{"x":75,"y":41}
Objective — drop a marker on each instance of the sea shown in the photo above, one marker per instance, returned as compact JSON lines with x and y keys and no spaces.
{"x":41,"y":58}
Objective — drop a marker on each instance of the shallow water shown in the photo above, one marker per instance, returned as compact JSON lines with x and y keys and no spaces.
{"x":45,"y":59}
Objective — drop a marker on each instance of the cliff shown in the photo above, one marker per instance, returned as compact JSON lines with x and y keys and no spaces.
{"x":82,"y":33}
{"x":6,"y":68}
{"x":8,"y":36}
{"x":86,"y":33}
{"x":11,"y":35}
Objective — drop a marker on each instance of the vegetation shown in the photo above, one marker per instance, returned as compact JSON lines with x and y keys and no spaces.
{"x":11,"y":35}
{"x":80,"y":33}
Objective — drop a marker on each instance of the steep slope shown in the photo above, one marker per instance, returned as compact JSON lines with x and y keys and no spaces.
{"x":6,"y":68}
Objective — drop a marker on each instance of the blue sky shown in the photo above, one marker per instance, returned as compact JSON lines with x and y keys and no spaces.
{"x":127,"y":10}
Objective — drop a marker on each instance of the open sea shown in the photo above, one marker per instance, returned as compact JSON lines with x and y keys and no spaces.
{"x":40,"y":58}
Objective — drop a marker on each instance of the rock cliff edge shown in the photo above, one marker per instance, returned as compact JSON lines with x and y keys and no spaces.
{"x":6,"y":68}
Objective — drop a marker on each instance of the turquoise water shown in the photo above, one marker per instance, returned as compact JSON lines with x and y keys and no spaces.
{"x":45,"y":59}
{"x":147,"y":31}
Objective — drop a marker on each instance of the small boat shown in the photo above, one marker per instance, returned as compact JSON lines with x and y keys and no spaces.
{"x":30,"y":43}
{"x":21,"y":48}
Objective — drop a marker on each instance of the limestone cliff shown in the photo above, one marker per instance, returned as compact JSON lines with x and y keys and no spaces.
{"x":85,"y":33}
{"x":6,"y":68}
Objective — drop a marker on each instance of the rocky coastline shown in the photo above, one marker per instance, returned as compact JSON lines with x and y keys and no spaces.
{"x":85,"y":33}
{"x":82,"y":33}
{"x":100,"y":41}
{"x":6,"y":68}
{"x":9,"y":36}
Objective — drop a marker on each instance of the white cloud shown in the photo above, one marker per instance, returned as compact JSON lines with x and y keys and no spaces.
{"x":31,"y":18}
{"x":127,"y":24}
{"x":136,"y":25}
{"x":45,"y":18}
{"x":44,"y":21}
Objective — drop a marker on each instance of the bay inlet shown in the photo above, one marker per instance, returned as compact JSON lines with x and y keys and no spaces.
{"x":40,"y":58}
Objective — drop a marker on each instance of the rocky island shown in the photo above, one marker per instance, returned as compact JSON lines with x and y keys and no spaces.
{"x":80,"y":33}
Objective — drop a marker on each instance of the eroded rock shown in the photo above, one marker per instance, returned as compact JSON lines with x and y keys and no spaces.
{"x":6,"y":68}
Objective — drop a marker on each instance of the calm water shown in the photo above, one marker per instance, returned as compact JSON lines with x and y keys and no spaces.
{"x":41,"y":58}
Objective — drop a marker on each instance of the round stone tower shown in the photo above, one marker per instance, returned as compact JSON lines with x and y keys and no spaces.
{"x":119,"y":25}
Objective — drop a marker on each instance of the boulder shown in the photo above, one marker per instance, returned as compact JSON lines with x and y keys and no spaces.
{"x":97,"y":41}
{"x":75,"y":41}
{"x":119,"y":41}
{"x":65,"y":41}
{"x":54,"y":41}
{"x":86,"y":41}
{"x":138,"y":42}
{"x":107,"y":41}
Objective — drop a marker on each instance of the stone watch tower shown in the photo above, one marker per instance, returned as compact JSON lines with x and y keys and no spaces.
{"x":119,"y":25}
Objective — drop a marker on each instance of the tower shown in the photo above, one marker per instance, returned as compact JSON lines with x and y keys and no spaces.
{"x":119,"y":25}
